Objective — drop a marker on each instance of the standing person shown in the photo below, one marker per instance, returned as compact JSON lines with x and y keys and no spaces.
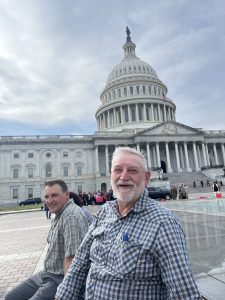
{"x":48,"y":213}
{"x":215,"y":188}
{"x":174,"y":192}
{"x":182,"y":192}
{"x":99,"y":199}
{"x":202,"y":183}
{"x":67,"y":232}
{"x":135,"y":249}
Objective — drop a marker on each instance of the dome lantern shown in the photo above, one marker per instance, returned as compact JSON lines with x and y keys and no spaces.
{"x":129,"y":46}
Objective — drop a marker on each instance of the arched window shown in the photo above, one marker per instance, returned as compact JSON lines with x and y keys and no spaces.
{"x":131,"y":90}
{"x":143,"y":89}
{"x":125,"y":91}
{"x":137,"y":89}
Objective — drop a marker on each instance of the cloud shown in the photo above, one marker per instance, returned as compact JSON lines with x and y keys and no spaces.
{"x":55,"y":57}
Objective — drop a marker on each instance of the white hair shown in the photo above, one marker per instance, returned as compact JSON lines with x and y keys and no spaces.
{"x":133,"y":151}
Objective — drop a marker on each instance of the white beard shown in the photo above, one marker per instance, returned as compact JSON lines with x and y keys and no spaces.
{"x":128,"y":194}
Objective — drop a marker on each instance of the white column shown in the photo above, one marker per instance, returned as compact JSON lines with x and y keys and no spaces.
{"x":186,"y":157}
{"x":204,"y":155}
{"x":164,"y":111}
{"x":107,"y":160}
{"x":215,"y":153}
{"x":100,"y":123}
{"x":108,"y":119}
{"x":177,"y":158}
{"x":129,"y":113}
{"x":148,"y":156}
{"x":182,"y":157}
{"x":200,"y":163}
{"x":96,"y":161}
{"x":136,"y":112}
{"x":104,"y":121}
{"x":152,"y":113}
{"x":144,"y":112}
{"x":159,"y":114}
{"x":223,"y":153}
{"x":207,"y":154}
{"x":138,"y":148}
{"x":158,"y":155}
{"x":114,"y":116}
{"x":195,"y":157}
{"x":121,"y":114}
{"x":169,"y":169}
{"x":154,"y":156}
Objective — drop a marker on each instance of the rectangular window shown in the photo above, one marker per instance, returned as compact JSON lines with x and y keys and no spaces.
{"x":79,"y":188}
{"x":30,"y":172}
{"x":30,"y":155}
{"x":65,"y":154}
{"x":79,"y":170}
{"x":15,"y":173}
{"x":15,"y":193}
{"x":30,"y":193}
{"x":48,"y":170}
{"x":16,"y":155}
{"x":78,"y":154}
{"x":65,"y":171}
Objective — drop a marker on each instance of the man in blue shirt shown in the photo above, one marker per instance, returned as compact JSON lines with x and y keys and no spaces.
{"x":135,"y":249}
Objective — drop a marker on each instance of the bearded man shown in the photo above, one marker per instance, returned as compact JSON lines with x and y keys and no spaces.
{"x":135,"y":249}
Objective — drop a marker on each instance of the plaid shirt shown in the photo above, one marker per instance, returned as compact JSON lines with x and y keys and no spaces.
{"x":65,"y":236}
{"x":140,"y":256}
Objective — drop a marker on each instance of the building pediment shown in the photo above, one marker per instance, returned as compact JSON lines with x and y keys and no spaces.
{"x":170,"y":128}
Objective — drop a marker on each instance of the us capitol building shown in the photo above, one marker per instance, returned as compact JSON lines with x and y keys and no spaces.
{"x":135,"y":111}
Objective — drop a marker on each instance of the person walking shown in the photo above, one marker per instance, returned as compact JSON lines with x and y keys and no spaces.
{"x":135,"y":249}
{"x":65,"y":236}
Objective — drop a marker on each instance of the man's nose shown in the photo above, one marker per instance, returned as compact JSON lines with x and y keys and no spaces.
{"x":124,"y":175}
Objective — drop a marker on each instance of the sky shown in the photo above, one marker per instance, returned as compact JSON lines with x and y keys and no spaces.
{"x":55,"y":57}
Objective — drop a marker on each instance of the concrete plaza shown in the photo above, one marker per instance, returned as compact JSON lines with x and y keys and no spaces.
{"x":23,"y":242}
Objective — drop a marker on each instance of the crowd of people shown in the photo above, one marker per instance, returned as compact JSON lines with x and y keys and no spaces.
{"x":207,"y":183}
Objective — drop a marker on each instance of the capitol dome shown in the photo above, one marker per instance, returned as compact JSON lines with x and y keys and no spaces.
{"x":134,"y":97}
{"x":131,"y":65}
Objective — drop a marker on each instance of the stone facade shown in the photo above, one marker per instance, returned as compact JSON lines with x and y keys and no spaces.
{"x":136,"y":112}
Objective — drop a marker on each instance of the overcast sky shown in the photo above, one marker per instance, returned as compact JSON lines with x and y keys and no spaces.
{"x":55,"y":56}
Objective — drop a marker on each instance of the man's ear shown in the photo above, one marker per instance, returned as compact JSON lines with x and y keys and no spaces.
{"x":147,"y":177}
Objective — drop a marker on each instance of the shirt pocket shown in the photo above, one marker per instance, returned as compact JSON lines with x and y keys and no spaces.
{"x":98,"y":238}
{"x":126,"y":256}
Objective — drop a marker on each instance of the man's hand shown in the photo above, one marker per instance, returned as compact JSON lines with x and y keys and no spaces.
{"x":67,"y":263}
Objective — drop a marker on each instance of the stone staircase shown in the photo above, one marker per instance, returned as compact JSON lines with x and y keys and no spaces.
{"x":187,"y":178}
